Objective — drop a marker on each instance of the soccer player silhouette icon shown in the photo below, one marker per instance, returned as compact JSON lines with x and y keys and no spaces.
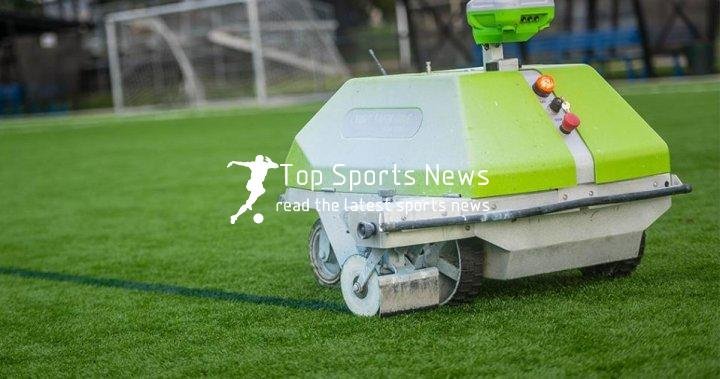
{"x":258,"y":171}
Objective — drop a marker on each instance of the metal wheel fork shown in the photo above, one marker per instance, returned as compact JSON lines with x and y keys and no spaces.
{"x":359,"y":283}
{"x":371,"y":264}
{"x":435,"y":259}
{"x":443,"y":256}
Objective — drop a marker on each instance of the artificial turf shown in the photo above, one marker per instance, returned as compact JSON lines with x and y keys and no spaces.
{"x":117,"y":259}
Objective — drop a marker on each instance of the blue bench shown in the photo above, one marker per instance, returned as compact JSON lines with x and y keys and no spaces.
{"x":11,"y":99}
{"x":16,"y":99}
{"x":597,"y":46}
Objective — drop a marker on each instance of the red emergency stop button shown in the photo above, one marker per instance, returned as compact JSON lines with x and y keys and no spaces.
{"x":570,"y":122}
{"x":544,"y":85}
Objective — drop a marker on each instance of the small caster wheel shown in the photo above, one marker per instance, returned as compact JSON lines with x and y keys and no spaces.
{"x":619,"y":269}
{"x":322,"y":257}
{"x":365,"y":301}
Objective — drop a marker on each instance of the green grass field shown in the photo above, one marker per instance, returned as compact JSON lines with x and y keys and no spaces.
{"x":117,"y":259}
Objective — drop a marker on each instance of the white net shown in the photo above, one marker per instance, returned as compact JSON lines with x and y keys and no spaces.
{"x":223,"y":50}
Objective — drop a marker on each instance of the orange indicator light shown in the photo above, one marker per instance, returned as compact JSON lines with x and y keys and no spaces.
{"x":544,"y":85}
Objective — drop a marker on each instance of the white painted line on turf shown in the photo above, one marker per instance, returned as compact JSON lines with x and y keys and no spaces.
{"x":75,"y":123}
{"x":666,"y":91}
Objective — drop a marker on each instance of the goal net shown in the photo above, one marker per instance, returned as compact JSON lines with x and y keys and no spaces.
{"x":210,"y":51}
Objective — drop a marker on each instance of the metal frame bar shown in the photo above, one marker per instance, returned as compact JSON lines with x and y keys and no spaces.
{"x":647,"y":52}
{"x":395,"y":226}
{"x":403,"y":31}
{"x":162,"y":10}
{"x":257,"y":54}
{"x":114,"y":63}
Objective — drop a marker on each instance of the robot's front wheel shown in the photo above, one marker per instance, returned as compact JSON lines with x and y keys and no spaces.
{"x":367,"y":301}
{"x":322,"y":256}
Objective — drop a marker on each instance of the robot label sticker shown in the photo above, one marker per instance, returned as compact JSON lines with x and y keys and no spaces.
{"x":382,"y":123}
{"x":258,"y":172}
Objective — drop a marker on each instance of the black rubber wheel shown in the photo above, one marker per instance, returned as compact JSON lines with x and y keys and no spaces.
{"x":619,"y":269}
{"x":322,"y":257}
{"x":471,"y":270}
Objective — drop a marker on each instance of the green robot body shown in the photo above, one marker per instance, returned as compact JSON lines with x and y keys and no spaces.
{"x":441,"y":179}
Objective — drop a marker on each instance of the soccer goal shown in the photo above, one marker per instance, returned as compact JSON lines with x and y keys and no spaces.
{"x":211,"y":51}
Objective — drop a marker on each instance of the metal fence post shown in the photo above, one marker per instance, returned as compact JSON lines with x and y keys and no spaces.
{"x":257,"y":55}
{"x":114,"y":62}
{"x":403,"y":31}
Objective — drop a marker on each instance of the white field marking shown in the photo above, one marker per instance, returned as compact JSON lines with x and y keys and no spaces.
{"x":48,"y":122}
{"x":81,"y":122}
{"x":669,"y":88}
{"x":34,"y":124}
{"x":666,"y":91}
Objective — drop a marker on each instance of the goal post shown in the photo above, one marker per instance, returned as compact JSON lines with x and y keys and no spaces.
{"x":210,"y":51}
